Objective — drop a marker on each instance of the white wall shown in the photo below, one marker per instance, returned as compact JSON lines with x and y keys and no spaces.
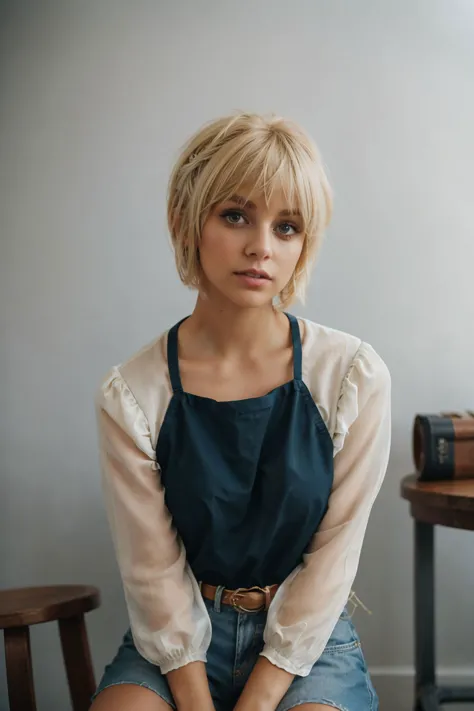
{"x":96,"y":98}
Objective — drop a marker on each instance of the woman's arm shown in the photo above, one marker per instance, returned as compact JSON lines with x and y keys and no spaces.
{"x":190,"y":688}
{"x":308,"y":604}
{"x":169,"y":621}
{"x":265,"y":687}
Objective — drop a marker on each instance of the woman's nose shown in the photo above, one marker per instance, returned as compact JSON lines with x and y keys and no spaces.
{"x":260,"y":242}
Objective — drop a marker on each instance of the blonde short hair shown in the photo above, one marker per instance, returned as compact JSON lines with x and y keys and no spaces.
{"x":266,"y":152}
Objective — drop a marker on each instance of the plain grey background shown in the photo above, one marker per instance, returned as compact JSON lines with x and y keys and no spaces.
{"x":96,"y":99}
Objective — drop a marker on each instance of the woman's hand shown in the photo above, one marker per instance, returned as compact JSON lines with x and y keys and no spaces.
{"x":190,"y":687}
{"x":265,"y":687}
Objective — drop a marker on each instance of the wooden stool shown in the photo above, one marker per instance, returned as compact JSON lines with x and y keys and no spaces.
{"x":442,"y":503}
{"x":31,"y":606}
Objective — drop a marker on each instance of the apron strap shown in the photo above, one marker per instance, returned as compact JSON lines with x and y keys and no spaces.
{"x":297,"y":350}
{"x":173,"y":362}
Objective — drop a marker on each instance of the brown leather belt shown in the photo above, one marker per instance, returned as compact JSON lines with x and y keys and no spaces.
{"x":254,"y":599}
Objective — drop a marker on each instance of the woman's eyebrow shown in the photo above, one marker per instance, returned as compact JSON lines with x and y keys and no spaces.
{"x":243,"y":202}
{"x":285,"y":213}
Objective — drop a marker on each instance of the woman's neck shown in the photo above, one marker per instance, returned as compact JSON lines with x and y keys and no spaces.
{"x":214,"y":329}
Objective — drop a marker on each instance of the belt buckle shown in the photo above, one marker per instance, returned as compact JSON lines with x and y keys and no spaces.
{"x":240,"y":608}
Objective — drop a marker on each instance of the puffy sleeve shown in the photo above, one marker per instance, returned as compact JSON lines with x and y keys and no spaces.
{"x":308,"y":604}
{"x":168,"y":618}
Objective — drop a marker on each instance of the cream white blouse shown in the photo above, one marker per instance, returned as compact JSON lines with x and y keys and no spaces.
{"x":350,"y":385}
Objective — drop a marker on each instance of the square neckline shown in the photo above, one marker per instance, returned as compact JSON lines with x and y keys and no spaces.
{"x":264,"y":400}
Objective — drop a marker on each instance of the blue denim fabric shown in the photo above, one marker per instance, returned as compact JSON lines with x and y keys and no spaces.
{"x":339,"y":678}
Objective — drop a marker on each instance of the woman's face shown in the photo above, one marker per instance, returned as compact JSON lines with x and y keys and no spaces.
{"x":249,"y":250}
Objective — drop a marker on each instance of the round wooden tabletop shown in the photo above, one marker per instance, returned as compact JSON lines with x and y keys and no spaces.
{"x":32,"y":606}
{"x":446,"y":503}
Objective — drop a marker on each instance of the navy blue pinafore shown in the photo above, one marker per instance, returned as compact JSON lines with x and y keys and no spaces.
{"x":247,"y":482}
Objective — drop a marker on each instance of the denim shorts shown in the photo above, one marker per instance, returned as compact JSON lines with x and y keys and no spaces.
{"x":338,"y":679}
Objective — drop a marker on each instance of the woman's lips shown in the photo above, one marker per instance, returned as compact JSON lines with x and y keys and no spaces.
{"x":253,"y":278}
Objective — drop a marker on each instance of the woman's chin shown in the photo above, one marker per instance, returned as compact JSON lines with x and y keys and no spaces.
{"x":243,"y":298}
{"x":253,"y":303}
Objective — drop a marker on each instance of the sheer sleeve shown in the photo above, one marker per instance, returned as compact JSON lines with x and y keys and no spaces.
{"x":168,"y":618}
{"x":308,"y":604}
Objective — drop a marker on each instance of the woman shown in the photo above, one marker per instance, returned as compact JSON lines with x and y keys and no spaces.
{"x":242,"y":451}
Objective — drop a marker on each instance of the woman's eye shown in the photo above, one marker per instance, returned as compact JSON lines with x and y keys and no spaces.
{"x":286,"y":227}
{"x":232,"y":216}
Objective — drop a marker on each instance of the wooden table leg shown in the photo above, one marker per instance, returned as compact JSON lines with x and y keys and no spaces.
{"x":426,"y":691}
{"x":21,"y":692}
{"x":78,"y":662}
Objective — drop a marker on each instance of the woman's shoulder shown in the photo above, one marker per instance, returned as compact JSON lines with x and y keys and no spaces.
{"x":337,"y":349}
{"x":320,"y":340}
{"x":140,"y":385}
{"x":341,"y":371}
{"x":149,"y":360}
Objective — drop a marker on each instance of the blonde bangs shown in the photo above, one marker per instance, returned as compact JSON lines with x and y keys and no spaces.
{"x":270,"y":154}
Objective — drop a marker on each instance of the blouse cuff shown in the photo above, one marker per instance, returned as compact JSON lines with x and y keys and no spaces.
{"x":181,"y":659}
{"x":284,"y":663}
